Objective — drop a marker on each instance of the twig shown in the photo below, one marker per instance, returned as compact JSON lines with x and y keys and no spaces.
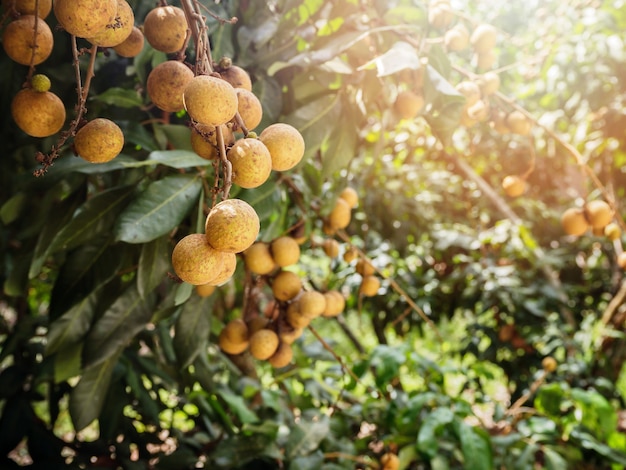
{"x":616,"y":301}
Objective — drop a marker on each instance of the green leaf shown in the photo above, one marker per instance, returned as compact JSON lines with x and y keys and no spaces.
{"x":160,"y":208}
{"x":341,"y":149}
{"x":154,"y":263}
{"x":192,"y":329}
{"x":447,"y":105}
{"x":306,"y":435}
{"x":549,"y":399}
{"x":94,"y":217}
{"x":477,"y":453}
{"x":122,"y":97}
{"x":118,"y":326}
{"x":400,"y":56}
{"x":238,"y":405}
{"x":428,"y":435}
{"x":67,"y":362}
{"x":87,"y":397}
{"x":178,"y":158}
{"x":12,"y":208}
{"x":73,"y":325}
{"x":270,"y":94}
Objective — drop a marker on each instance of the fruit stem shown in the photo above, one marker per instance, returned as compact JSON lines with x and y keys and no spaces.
{"x":199,"y":32}
{"x":31,"y":65}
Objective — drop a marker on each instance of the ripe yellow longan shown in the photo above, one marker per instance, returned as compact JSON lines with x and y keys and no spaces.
{"x":312,"y":304}
{"x":118,"y":30}
{"x":22,"y":45}
{"x":99,"y":141}
{"x":574,"y":222}
{"x":27,"y":7}
{"x":598,"y":213}
{"x":84,"y":18}
{"x":165,"y":28}
{"x":408,"y":104}
{"x":513,"y":185}
{"x":340,"y":215}
{"x":282,"y":357}
{"x":195,"y":261}
{"x":285,"y":144}
{"x":132,"y":45}
{"x":237,"y":77}
{"x":249,"y":107}
{"x":286,"y":285}
{"x":232,"y":226}
{"x":285,"y":251}
{"x":263,"y":344}
{"x":166,"y":83}
{"x":369,"y":286}
{"x":251,"y":163}
{"x":258,"y":258}
{"x":38,"y":114}
{"x":210,"y":100}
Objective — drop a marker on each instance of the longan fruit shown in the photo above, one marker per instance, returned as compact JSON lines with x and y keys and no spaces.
{"x":612,"y":231}
{"x":27,"y":7}
{"x":22,"y":45}
{"x":286,"y":285}
{"x":205,"y":290}
{"x":282,"y":357}
{"x":295,"y":318}
{"x":258,"y":258}
{"x":226,"y":270}
{"x":195,"y":261}
{"x":38,"y":114}
{"x":257,"y":323}
{"x":289,"y":334}
{"x":165,"y":28}
{"x":166,"y":83}
{"x":84,"y":18}
{"x":513,"y":185}
{"x":574,"y":222}
{"x":335,"y":303}
{"x":350,"y":195}
{"x":249,"y":107}
{"x":489,"y":83}
{"x":598,"y":213}
{"x":132,"y":45}
{"x":440,"y":17}
{"x":263,"y":344}
{"x":99,"y":141}
{"x":234,"y":337}
{"x":312,"y":303}
{"x":369,"y":286}
{"x":621,"y":260}
{"x":485,"y":60}
{"x":331,"y":247}
{"x":350,"y":254}
{"x":285,"y":251}
{"x":483,"y":38}
{"x":251,"y":163}
{"x":210,"y":100}
{"x":285,"y":144}
{"x":117,"y":31}
{"x":549,"y":364}
{"x":204,"y":140}
{"x":339,"y":217}
{"x":408,"y":104}
{"x":518,"y":123}
{"x":40,"y":82}
{"x":236,"y":76}
{"x":470,"y":90}
{"x":389,"y":461}
{"x":455,"y":39}
{"x":232,"y":226}
{"x":364,"y":267}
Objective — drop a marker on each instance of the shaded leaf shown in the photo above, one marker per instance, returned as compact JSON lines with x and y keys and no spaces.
{"x":178,"y":158}
{"x":306,"y":435}
{"x":67,"y":362}
{"x":12,"y":208}
{"x":122,"y":97}
{"x":160,"y":208}
{"x":475,"y":446}
{"x":400,"y":56}
{"x":428,"y":436}
{"x":238,"y":405}
{"x":154,"y":262}
{"x":340,"y":151}
{"x":192,"y":329}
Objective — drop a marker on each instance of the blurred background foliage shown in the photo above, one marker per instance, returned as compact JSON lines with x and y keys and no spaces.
{"x":106,"y":362}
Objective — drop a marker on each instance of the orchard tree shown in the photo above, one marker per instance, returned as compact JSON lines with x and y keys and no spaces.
{"x":305,"y":234}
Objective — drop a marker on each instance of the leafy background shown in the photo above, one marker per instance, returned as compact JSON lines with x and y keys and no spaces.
{"x":107,"y":362}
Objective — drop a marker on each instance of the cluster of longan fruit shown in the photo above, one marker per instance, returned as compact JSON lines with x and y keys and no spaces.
{"x":28,"y":40}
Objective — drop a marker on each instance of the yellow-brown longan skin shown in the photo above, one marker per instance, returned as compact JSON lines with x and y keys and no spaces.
{"x":350,"y":195}
{"x":369,"y":286}
{"x":285,"y":144}
{"x":205,"y":290}
{"x":233,"y":339}
{"x":165,"y":28}
{"x":513,"y":185}
{"x":84,"y":18}
{"x":226,"y":270}
{"x":250,"y":108}
{"x":132,"y":45}
{"x":204,"y":140}
{"x":38,"y":114}
{"x":210,"y":100}
{"x":340,"y":216}
{"x":285,"y":251}
{"x":195,"y":261}
{"x":408,"y":104}
{"x":258,"y":258}
{"x":574,"y":222}
{"x":166,"y":83}
{"x":335,"y":303}
{"x":27,"y":7}
{"x":263,"y":344}
{"x":286,"y":285}
{"x":251,"y":163}
{"x":119,"y":29}
{"x":312,"y":304}
{"x":99,"y":141}
{"x":237,"y":77}
{"x":598,"y":213}
{"x":232,"y":226}
{"x":331,"y":247}
{"x":282,"y":357}
{"x":21,"y":44}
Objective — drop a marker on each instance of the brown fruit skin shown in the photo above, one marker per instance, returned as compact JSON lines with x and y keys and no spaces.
{"x":408,"y":104}
{"x":350,"y":255}
{"x":251,"y":163}
{"x":369,"y":286}
{"x":598,"y":213}
{"x":257,"y":323}
{"x":483,"y":38}
{"x":350,"y":195}
{"x":205,"y":290}
{"x":165,"y":28}
{"x":250,"y":108}
{"x":38,"y":114}
{"x":27,"y":7}
{"x":389,"y":461}
{"x":331,"y":247}
{"x":364,"y":267}
{"x":456,"y":39}
{"x":232,"y":226}
{"x":518,"y":123}
{"x":132,"y":45}
{"x":621,"y":260}
{"x":210,"y":100}
{"x":295,"y":318}
{"x":286,"y":285}
{"x":513,"y":185}
{"x":21,"y":44}
{"x":549,"y":364}
{"x":234,"y":337}
{"x":285,"y":251}
{"x":339,"y":217}
{"x":285,"y":144}
{"x":263,"y":344}
{"x":204,"y":140}
{"x":226,"y":270}
{"x":282,"y":357}
{"x":237,"y":77}
{"x":574,"y":222}
{"x":612,"y":231}
{"x":335,"y":303}
{"x":118,"y":30}
{"x":195,"y":261}
{"x":99,"y":141}
{"x":312,"y":304}
{"x":258,"y":258}
{"x":166,"y":84}
{"x":84,"y":18}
